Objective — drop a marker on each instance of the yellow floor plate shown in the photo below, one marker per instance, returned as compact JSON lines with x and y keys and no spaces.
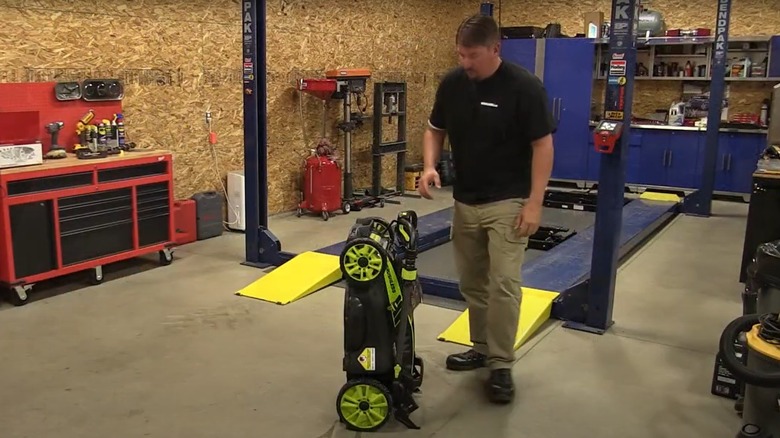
{"x":304,"y":274}
{"x":657,"y":196}
{"x":534,"y":311}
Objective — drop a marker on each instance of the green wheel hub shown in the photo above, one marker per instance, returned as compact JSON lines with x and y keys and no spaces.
{"x":363,"y":260}
{"x":364,"y":404}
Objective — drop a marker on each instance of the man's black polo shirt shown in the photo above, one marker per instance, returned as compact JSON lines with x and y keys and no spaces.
{"x":491,"y":124}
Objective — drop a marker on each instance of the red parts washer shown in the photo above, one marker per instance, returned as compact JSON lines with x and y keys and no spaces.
{"x":322,"y":185}
{"x":606,"y":135}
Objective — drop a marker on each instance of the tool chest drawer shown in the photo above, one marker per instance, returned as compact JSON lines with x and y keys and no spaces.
{"x":49,"y":183}
{"x":32,"y":238}
{"x":96,"y":225}
{"x":154,"y":213}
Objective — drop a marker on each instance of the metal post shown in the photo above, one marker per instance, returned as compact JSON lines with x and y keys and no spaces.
{"x":348,"y":187}
{"x":611,"y":188}
{"x":699,"y":203}
{"x":262,"y":247}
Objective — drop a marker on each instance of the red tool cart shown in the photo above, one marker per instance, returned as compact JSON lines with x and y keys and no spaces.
{"x":71,"y":215}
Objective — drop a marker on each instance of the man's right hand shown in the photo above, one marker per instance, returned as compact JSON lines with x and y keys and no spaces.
{"x":427,"y":179}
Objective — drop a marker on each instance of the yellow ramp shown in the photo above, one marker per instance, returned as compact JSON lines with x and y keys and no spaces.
{"x":534,"y":311}
{"x":658,"y":196}
{"x":302,"y":275}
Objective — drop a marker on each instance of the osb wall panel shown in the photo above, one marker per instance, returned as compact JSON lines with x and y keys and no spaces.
{"x":178,"y":62}
{"x":748,"y":18}
{"x":306,"y":38}
{"x":172,"y":60}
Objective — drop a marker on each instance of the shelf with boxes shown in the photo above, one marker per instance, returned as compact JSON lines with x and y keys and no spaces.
{"x":70,"y":215}
{"x":750,"y":58}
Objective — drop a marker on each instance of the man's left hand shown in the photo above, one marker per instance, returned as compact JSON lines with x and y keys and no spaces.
{"x":529,"y":219}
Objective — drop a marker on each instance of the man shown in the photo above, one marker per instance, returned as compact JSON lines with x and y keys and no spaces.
{"x":499,"y":125}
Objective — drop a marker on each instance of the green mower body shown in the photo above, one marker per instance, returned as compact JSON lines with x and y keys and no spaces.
{"x":382,"y":369}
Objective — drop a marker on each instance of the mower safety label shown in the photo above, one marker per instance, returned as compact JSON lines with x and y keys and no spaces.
{"x":367,"y":359}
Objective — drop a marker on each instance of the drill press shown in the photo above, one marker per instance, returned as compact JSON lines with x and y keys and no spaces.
{"x":56,"y":150}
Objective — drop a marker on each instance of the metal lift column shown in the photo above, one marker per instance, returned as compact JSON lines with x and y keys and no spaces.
{"x":611,"y":188}
{"x":262,"y":247}
{"x":699,"y":203}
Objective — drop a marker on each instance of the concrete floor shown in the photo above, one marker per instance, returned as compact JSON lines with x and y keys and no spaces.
{"x":171,"y":352}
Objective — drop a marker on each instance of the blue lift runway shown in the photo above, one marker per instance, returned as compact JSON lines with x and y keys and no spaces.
{"x":564,"y":269}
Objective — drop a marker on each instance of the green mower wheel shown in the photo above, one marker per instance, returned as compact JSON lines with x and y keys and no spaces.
{"x":364,"y":405}
{"x":363,"y":260}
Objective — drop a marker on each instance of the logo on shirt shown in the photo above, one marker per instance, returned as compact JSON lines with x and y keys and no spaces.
{"x":490,"y":104}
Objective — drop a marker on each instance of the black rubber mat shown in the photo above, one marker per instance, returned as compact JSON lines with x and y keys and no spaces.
{"x":438,"y":262}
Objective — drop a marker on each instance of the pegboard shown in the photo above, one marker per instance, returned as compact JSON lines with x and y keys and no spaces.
{"x":39,"y":96}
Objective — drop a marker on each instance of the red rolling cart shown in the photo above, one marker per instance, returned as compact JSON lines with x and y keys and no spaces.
{"x":72,"y":215}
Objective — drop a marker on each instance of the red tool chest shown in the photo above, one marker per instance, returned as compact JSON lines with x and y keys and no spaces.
{"x":71,"y":215}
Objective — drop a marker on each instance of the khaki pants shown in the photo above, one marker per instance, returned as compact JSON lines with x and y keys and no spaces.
{"x":489,"y":256}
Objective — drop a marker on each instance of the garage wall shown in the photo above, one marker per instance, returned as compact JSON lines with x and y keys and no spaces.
{"x":177,"y":62}
{"x":748,"y":18}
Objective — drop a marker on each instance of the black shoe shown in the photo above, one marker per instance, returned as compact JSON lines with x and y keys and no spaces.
{"x":500,"y":388}
{"x":470,"y":360}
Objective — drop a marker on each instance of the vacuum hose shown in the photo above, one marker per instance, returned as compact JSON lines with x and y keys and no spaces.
{"x":728,"y":353}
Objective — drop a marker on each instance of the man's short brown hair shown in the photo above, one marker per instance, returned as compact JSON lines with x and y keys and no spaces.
{"x":478,"y":30}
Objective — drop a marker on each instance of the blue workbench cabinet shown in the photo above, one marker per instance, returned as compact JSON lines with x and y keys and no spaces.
{"x":521,"y":52}
{"x":565,"y":67}
{"x":683,"y":162}
{"x":568,"y":80}
{"x":667,"y":158}
{"x":738,"y":155}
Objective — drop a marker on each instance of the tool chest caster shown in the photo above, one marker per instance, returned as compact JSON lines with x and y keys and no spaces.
{"x":96,"y":275}
{"x":166,"y":256}
{"x":19,"y":295}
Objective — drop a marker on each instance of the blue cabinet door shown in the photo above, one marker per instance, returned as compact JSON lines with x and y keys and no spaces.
{"x":634,"y":158}
{"x":594,"y":159}
{"x":653,"y":157}
{"x":723,"y":181}
{"x":742,"y":159}
{"x":568,"y":79}
{"x":774,"y":56}
{"x":521,"y":52}
{"x":682,"y":160}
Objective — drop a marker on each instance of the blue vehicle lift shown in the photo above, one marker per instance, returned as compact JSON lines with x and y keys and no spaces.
{"x":588,"y":305}
{"x":699,"y":203}
{"x":263,"y":249}
{"x":598,"y":292}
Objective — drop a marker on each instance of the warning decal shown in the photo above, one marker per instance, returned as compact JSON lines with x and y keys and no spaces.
{"x":367,"y":359}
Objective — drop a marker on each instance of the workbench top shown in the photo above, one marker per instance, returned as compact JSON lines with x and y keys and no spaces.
{"x":702,"y":129}
{"x":72,"y":161}
{"x":768,"y":175}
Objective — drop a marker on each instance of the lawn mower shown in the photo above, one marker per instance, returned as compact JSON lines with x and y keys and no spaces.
{"x":382,"y":368}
